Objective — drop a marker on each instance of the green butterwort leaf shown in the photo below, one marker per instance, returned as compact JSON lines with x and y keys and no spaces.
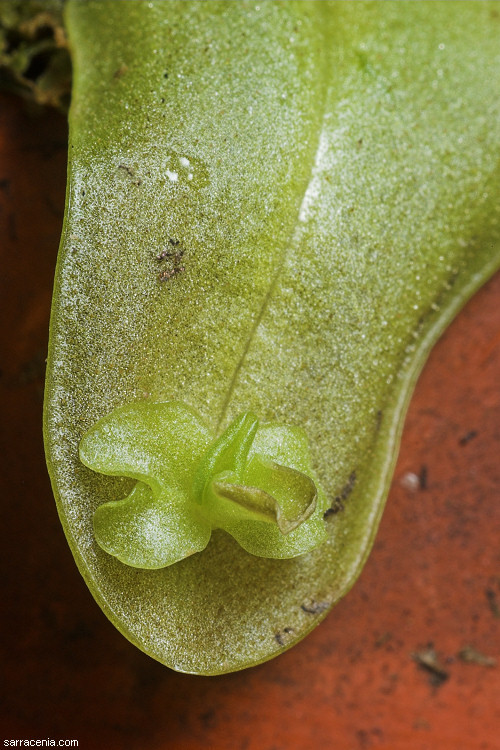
{"x":275,"y":493}
{"x":229,"y":454}
{"x":160,"y":444}
{"x":188,"y":488}
{"x":292,"y":533}
{"x":148,"y":531}
{"x":273,"y":208}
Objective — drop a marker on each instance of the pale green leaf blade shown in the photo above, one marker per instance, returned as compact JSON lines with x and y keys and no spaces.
{"x":159,"y":444}
{"x":342,"y":205}
{"x":150,"y":532}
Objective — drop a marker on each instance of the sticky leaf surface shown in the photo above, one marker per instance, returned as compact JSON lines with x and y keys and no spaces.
{"x":272,"y":208}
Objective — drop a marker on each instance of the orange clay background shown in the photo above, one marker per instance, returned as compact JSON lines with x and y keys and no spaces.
{"x":409,"y":660}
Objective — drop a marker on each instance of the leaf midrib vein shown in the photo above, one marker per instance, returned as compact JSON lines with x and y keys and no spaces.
{"x":275,"y":278}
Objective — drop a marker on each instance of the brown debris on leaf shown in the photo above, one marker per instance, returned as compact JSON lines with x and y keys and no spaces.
{"x":338,"y":503}
{"x":172,"y":253}
{"x":314,"y":608}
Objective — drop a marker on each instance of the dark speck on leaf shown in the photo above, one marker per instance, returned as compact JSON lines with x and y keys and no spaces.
{"x":173,"y":252}
{"x":120,"y":71}
{"x":278,"y":637}
{"x":130,"y":171}
{"x":314,"y":608}
{"x":167,"y":253}
{"x":170,"y":273}
{"x":338,"y":505}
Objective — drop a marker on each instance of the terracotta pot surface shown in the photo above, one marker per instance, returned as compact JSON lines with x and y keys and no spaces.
{"x":405,"y":661}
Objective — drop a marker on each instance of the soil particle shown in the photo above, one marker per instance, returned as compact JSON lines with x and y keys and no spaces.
{"x":423,"y":478}
{"x":428,"y":660}
{"x":493,"y":602}
{"x":472,"y":656}
{"x":470,"y":435}
{"x":383,"y":639}
{"x":410,"y":481}
{"x":208,"y":718}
